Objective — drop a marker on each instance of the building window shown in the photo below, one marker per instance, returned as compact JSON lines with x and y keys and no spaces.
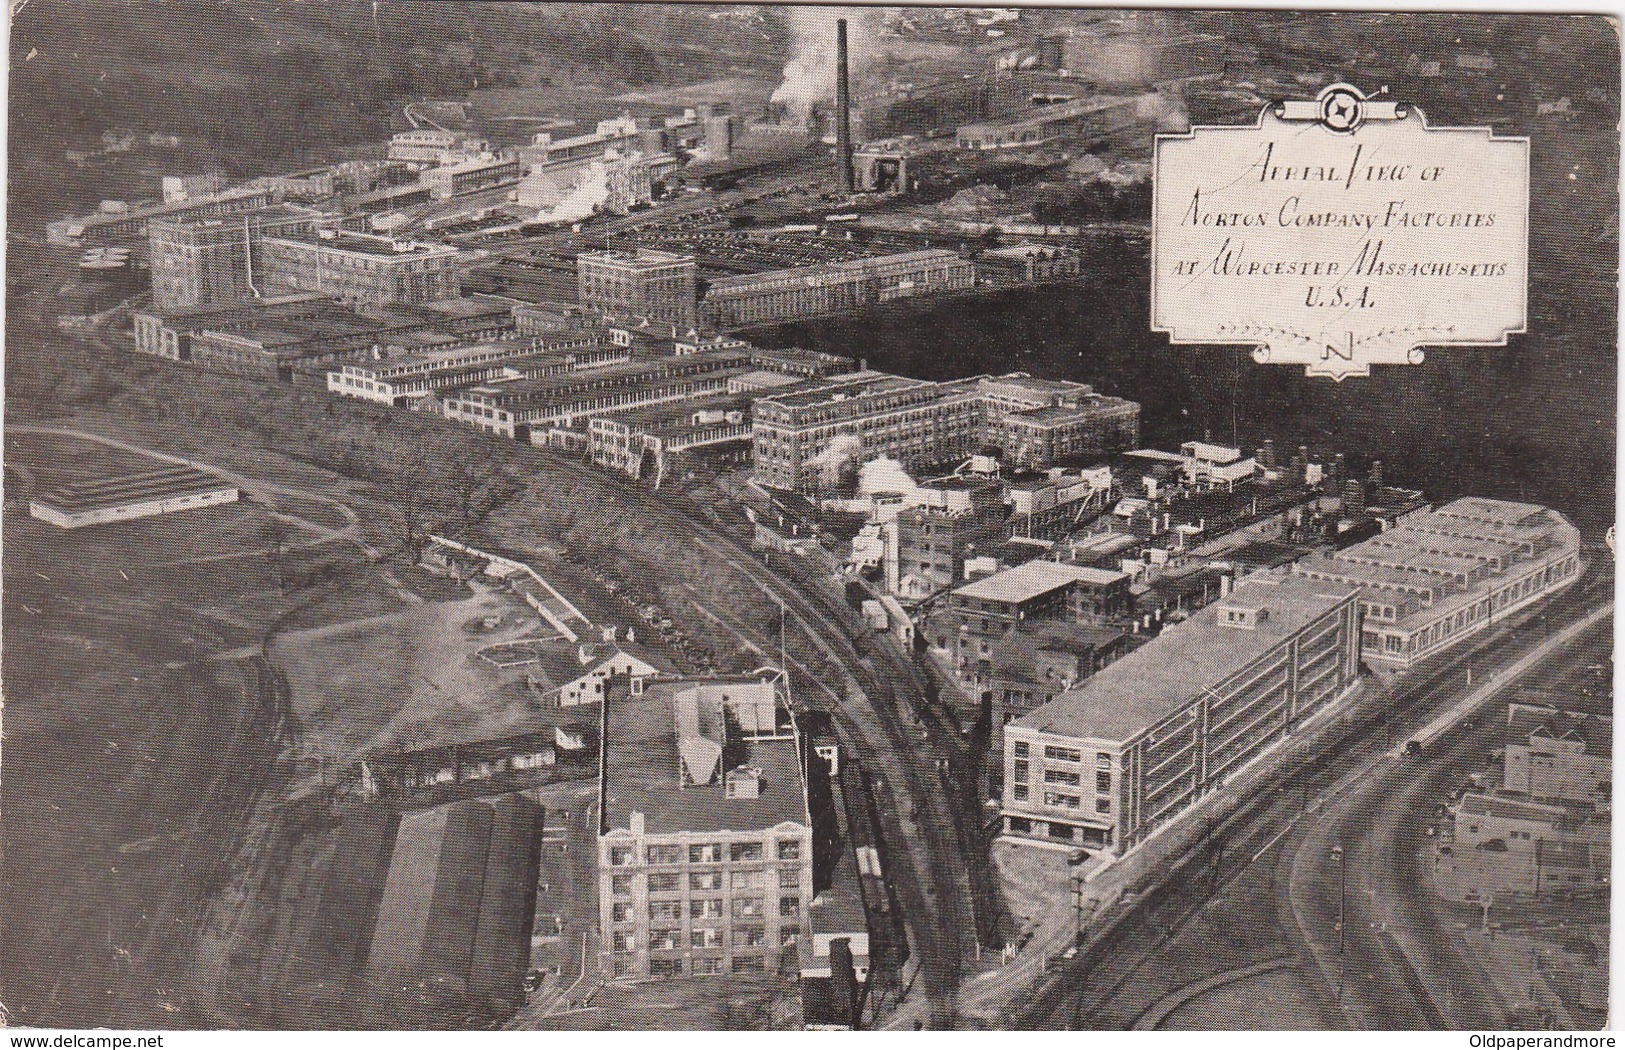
{"x":747,"y":907}
{"x":620,"y":912}
{"x":624,"y":941}
{"x":620,"y":885}
{"x":1021,"y":824}
{"x":665,"y":939}
{"x":750,"y":937}
{"x":789,"y":907}
{"x":1019,"y":792}
{"x":706,"y":908}
{"x":1063,"y":754}
{"x":790,"y":879}
{"x":664,"y":882}
{"x":705,"y":938}
{"x":745,"y":880}
{"x":665,"y":854}
{"x":1053,"y":798}
{"x":620,"y":855}
{"x":705,"y":880}
{"x":666,"y":911}
{"x":1019,"y":769}
{"x":705,"y":853}
{"x":788,"y":934}
{"x":1061,"y":776}
{"x":745,"y":851}
{"x":707,"y":967}
{"x":1021,"y":749}
{"x":1103,"y":805}
{"x":790,"y":849}
{"x":1103,"y":782}
{"x":623,"y":968}
{"x":749,"y":964}
{"x":665,"y":967}
{"x":1103,"y":760}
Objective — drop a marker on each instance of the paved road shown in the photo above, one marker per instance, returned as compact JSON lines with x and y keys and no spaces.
{"x":1401,"y":966}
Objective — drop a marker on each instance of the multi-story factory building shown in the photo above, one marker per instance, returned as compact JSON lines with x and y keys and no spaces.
{"x":924,"y":424}
{"x":1036,"y":422}
{"x":705,"y":848}
{"x":1436,"y":579}
{"x":644,"y":442}
{"x":660,"y":286}
{"x":1104,"y":765}
{"x":825,"y":288}
{"x":978,"y":614}
{"x":360,"y":267}
{"x":949,"y":519}
{"x":200,"y":261}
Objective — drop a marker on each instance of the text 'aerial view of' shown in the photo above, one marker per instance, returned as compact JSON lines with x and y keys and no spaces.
{"x":607,"y":517}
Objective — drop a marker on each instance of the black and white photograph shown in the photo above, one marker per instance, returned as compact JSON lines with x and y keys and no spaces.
{"x":699,"y":517}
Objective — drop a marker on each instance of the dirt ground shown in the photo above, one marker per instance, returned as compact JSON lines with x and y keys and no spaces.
{"x":408,"y":678}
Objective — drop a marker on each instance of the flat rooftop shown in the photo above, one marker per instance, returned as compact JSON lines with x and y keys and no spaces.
{"x":365,"y":244}
{"x":849,"y":387}
{"x":1165,"y":675}
{"x":1033,"y":579}
{"x":677,"y":417}
{"x":642,"y":774}
{"x":163,"y":483}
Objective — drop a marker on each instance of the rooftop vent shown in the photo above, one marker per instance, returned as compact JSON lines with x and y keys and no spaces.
{"x":743,"y":782}
{"x":1243,"y":617}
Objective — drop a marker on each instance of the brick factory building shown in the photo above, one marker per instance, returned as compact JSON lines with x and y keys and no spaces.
{"x":705,"y":848}
{"x":826,"y":288}
{"x":659,"y":286}
{"x":977,"y":615}
{"x":924,"y":424}
{"x":1436,"y":579}
{"x":360,"y":267}
{"x":1106,"y":764}
{"x":200,"y":261}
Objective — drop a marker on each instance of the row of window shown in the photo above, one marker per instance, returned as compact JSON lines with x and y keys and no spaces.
{"x":665,"y":940}
{"x":672,"y":911}
{"x":704,"y":853}
{"x":1103,"y":759}
{"x":705,"y":967}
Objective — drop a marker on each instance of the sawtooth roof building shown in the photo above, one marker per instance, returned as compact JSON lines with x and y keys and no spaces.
{"x":1436,"y":579}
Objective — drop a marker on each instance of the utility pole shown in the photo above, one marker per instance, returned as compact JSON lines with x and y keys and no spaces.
{"x":1342,"y":915}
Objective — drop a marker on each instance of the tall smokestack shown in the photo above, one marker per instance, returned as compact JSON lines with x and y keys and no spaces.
{"x":843,"y":109}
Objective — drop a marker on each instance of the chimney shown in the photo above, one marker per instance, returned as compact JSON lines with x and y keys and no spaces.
{"x":1268,"y":458}
{"x":1376,"y":474}
{"x":843,"y":109}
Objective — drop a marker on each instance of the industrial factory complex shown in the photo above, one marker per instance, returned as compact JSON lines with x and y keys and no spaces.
{"x":988,"y":617}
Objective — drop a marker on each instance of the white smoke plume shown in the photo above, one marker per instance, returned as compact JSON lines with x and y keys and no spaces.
{"x":838,"y":458}
{"x":809,"y":75}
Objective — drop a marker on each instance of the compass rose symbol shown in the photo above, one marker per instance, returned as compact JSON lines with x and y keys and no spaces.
{"x":1341,"y":108}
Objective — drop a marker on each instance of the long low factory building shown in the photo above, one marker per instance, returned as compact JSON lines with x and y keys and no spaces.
{"x":1104,"y":765}
{"x":1436,"y":579}
{"x":405,"y":380}
{"x":643,"y":441}
{"x":140,"y":495}
{"x":809,"y":291}
{"x":516,"y":409}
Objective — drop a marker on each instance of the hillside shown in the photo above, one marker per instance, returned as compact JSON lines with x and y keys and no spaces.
{"x":254,"y":85}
